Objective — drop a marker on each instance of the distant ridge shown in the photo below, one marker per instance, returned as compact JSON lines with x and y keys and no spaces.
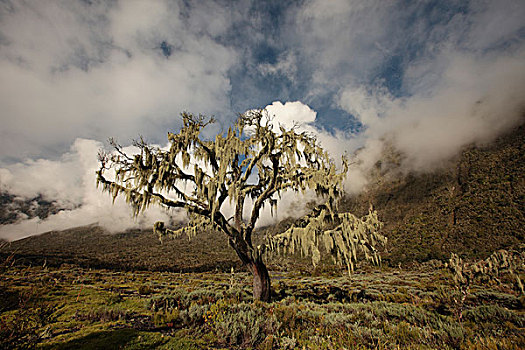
{"x":13,"y":208}
{"x":92,"y":247}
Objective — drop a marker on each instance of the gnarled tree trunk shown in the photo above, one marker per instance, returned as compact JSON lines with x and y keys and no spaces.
{"x":261,"y":281}
{"x":244,"y":249}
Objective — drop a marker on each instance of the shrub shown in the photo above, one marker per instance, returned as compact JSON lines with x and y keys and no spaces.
{"x":494,"y":314}
{"x":104,"y":314}
{"x":244,"y":324}
{"x":145,"y":290}
{"x":22,"y":328}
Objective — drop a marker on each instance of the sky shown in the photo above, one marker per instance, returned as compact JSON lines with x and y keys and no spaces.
{"x":424,"y":78}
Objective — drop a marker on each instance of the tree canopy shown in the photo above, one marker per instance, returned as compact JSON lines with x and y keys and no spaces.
{"x":250,"y":164}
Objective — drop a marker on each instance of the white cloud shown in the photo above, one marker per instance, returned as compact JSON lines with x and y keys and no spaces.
{"x":473,"y":101}
{"x":494,"y":22}
{"x":58,"y":180}
{"x":290,"y":114}
{"x":70,"y":70}
{"x":71,"y":182}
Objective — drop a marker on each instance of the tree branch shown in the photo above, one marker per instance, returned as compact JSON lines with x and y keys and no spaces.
{"x":267,"y":193}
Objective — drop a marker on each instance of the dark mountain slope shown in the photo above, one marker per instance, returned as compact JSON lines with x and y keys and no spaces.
{"x":13,"y":208}
{"x":92,"y":246}
{"x":473,"y":208}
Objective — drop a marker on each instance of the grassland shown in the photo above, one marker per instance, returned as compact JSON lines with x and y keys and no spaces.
{"x":75,"y":308}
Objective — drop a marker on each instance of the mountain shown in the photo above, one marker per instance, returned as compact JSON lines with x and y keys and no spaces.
{"x":13,"y":208}
{"x":92,"y":246}
{"x":472,"y":207}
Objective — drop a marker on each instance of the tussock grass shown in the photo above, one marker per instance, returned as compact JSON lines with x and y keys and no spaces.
{"x":388,"y":309}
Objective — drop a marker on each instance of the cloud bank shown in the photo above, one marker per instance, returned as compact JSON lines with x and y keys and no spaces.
{"x":424,"y":78}
{"x":71,"y":182}
{"x":474,"y":101}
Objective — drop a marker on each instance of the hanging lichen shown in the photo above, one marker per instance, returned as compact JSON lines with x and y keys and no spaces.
{"x":464,"y":273}
{"x":249,"y":161}
{"x":350,"y":237}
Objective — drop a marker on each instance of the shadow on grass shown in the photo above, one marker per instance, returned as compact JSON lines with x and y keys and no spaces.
{"x":112,"y":339}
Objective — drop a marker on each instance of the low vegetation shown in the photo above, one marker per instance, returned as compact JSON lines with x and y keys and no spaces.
{"x":388,"y":308}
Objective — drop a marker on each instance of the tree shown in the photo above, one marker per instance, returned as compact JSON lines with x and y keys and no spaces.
{"x":251,"y":165}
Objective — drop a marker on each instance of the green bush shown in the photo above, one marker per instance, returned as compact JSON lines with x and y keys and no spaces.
{"x":145,"y":290}
{"x":243,"y":324}
{"x":24,"y":327}
{"x":494,"y":314}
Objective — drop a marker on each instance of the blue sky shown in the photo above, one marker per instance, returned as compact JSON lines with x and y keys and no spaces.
{"x":423,"y":77}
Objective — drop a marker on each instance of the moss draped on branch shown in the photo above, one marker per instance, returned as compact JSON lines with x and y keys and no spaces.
{"x":248,"y":161}
{"x":350,"y":237}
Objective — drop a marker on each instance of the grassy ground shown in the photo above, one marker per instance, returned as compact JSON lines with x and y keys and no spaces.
{"x":75,"y":308}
